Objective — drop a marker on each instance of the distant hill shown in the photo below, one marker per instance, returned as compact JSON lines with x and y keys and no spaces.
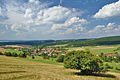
{"x":113,"y":40}
{"x":37,"y":42}
{"x":23,"y":42}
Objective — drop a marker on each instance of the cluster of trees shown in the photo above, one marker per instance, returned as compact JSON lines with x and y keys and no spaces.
{"x":32,"y":42}
{"x":84,"y":61}
{"x":46,"y":56}
{"x":14,"y":54}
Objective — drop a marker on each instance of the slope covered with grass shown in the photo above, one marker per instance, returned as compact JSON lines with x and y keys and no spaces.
{"x":14,"y":69}
{"x":94,"y":42}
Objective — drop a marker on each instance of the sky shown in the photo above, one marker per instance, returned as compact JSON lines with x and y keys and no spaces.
{"x":58,"y":19}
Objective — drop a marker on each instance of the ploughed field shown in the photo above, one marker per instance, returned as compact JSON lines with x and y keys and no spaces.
{"x":14,"y":69}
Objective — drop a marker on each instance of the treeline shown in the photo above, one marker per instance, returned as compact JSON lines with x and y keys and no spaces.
{"x":95,"y":42}
{"x":70,"y":43}
{"x":33,"y":43}
{"x":14,"y":54}
{"x":39,"y":42}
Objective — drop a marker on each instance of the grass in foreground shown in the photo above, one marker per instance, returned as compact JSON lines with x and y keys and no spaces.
{"x":14,"y":69}
{"x":41,"y":60}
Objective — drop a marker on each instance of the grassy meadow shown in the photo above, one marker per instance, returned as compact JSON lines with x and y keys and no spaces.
{"x":19,"y":69}
{"x":13,"y":50}
{"x":16,"y":68}
{"x":98,"y":49}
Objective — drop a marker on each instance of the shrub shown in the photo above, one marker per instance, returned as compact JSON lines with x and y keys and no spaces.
{"x":60,"y":58}
{"x":84,"y":61}
{"x":22,"y":55}
{"x":14,"y":54}
{"x":8,"y":53}
{"x":45,"y":56}
{"x":1,"y":53}
{"x":109,"y":66}
{"x":33,"y":57}
{"x":118,"y":68}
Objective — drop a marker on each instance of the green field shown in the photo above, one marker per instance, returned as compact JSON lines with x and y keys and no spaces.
{"x":13,"y":50}
{"x":20,"y":69}
{"x":17,"y":68}
{"x":98,"y":49}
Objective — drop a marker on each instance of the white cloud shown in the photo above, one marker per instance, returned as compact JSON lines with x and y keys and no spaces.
{"x":53,"y":15}
{"x":110,"y":10}
{"x":0,"y":11}
{"x":97,"y":29}
{"x":69,"y":23}
{"x":13,"y":14}
{"x":34,"y":1}
{"x":73,"y":25}
{"x":31,"y":1}
{"x":110,"y":27}
{"x":28,"y":13}
{"x":39,"y":19}
{"x":102,"y":29}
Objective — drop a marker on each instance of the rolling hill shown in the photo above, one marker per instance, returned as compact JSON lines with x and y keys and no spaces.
{"x":113,"y":40}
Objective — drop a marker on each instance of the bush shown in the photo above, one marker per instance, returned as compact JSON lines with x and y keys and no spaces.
{"x":60,"y":58}
{"x":8,"y":53}
{"x":33,"y":57}
{"x":109,"y":66}
{"x":118,"y":68}
{"x":14,"y":54}
{"x":84,"y":61}
{"x":22,"y":55}
{"x":1,"y":53}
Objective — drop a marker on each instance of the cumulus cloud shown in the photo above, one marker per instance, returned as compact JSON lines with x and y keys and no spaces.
{"x":109,"y":10}
{"x":34,"y":1}
{"x":0,"y":11}
{"x":56,"y":14}
{"x":35,"y":18}
{"x":28,"y":13}
{"x":73,"y":25}
{"x":110,"y":28}
{"x":97,"y":29}
{"x":69,"y":23}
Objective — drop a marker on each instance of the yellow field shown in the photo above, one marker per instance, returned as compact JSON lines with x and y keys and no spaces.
{"x":13,"y":69}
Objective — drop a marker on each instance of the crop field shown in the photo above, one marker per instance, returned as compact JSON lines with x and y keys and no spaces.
{"x":14,"y":69}
{"x":98,"y":49}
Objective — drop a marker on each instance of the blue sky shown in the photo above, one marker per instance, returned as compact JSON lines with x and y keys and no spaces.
{"x":58,"y":19}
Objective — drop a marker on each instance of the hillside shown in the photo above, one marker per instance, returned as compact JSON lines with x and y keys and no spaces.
{"x":14,"y":69}
{"x":113,"y":40}
{"x":94,"y":42}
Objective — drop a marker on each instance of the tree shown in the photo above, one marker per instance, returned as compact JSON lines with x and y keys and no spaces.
{"x":22,"y":55}
{"x":14,"y":54}
{"x":60,"y":58}
{"x":84,"y":61}
{"x":33,"y":57}
{"x":8,"y":53}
